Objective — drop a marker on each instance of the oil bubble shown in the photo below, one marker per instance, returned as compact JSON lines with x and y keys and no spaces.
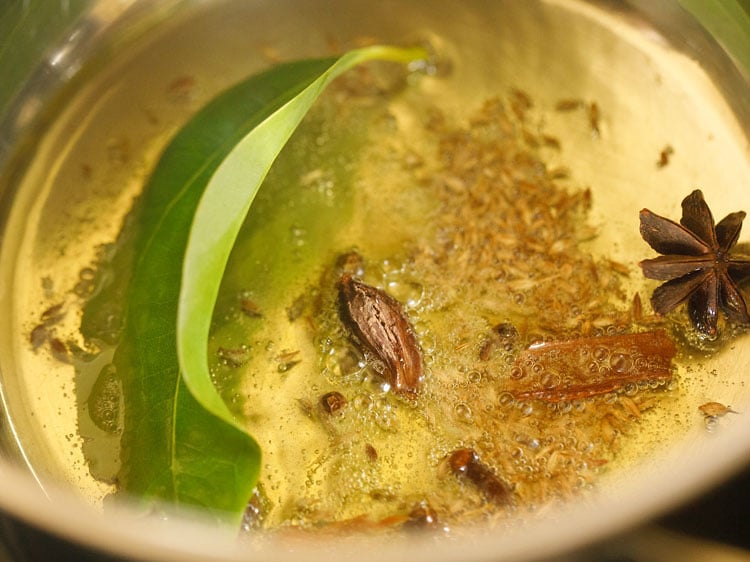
{"x":298,"y":235}
{"x":549,"y":380}
{"x":711,"y":423}
{"x":408,"y":292}
{"x":463,"y":412}
{"x":564,"y":406}
{"x":387,"y":422}
{"x":378,"y":366}
{"x":362,"y":402}
{"x":506,"y":399}
{"x":620,"y":363}
{"x":383,"y":404}
{"x":601,"y":353}
{"x":630,"y":389}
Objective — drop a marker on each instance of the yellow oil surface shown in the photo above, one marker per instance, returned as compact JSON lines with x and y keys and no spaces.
{"x":432,"y":233}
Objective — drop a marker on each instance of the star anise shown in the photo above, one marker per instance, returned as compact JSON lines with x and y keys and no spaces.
{"x":697,"y":264}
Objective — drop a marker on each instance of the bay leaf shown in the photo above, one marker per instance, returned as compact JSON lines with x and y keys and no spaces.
{"x":180,"y":442}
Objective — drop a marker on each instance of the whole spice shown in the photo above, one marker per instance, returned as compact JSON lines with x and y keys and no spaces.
{"x":422,"y":516}
{"x":250,"y":308}
{"x":504,"y":335}
{"x":234,"y":357}
{"x":569,"y":104}
{"x":379,"y":323}
{"x":664,"y":156}
{"x":593,"y":114}
{"x":333,"y":402}
{"x":715,"y":409}
{"x":584,"y":367}
{"x":466,"y":463}
{"x":60,"y":350}
{"x":697,"y":264}
{"x":371,"y":452}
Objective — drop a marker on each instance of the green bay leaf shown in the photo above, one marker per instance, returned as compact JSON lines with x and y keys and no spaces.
{"x":181,"y":443}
